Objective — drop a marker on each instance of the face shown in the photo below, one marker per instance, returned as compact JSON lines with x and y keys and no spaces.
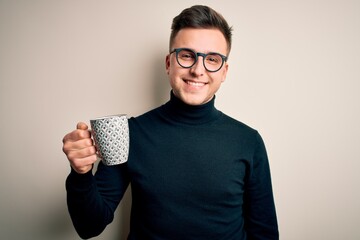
{"x":195,"y":85}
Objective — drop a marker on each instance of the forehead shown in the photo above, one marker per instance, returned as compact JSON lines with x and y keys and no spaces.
{"x":201,"y":40}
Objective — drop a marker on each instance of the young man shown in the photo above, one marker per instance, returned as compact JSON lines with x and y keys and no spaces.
{"x":195,"y":173}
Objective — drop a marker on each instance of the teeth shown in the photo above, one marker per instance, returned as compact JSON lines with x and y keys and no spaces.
{"x":195,"y":83}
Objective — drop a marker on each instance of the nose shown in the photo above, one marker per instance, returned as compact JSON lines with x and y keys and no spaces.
{"x":198,"y":68}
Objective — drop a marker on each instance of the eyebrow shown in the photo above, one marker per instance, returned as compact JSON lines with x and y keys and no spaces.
{"x":206,"y":52}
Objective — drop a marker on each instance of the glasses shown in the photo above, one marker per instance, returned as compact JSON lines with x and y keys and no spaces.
{"x":187,"y":58}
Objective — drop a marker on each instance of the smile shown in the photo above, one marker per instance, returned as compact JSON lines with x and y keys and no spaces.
{"x":197,"y":84}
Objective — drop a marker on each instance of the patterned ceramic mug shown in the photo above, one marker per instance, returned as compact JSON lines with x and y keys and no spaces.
{"x":111,"y":136}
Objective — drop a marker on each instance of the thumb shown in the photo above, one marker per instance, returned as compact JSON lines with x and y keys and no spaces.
{"x":82,"y":126}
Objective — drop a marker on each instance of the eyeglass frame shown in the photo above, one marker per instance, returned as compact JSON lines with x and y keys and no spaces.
{"x":197,"y":54}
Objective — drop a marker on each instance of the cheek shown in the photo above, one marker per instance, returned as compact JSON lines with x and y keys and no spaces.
{"x":171,"y":68}
{"x":174,"y":70}
{"x":222,"y":76}
{"x":173,"y":76}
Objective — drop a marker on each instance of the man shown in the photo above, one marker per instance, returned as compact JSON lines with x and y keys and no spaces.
{"x":195,"y":173}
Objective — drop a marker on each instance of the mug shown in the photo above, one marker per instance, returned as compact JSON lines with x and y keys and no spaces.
{"x":111,"y":136}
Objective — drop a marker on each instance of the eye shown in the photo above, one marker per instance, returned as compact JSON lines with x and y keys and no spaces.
{"x":213,"y":59}
{"x":186,"y":55}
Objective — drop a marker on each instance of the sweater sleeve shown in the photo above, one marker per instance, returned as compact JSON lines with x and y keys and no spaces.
{"x":92,"y":200}
{"x":259,"y":208}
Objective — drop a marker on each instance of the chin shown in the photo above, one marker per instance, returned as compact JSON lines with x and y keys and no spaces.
{"x":192,"y":98}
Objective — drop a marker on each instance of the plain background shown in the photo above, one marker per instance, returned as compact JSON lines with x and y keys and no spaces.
{"x":294,"y":75}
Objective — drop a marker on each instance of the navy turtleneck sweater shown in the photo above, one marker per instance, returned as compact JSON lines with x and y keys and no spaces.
{"x":195,"y":173}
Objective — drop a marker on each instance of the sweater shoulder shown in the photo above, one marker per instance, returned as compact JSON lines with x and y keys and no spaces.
{"x":241,"y":132}
{"x":146,"y":117}
{"x":237,"y":124}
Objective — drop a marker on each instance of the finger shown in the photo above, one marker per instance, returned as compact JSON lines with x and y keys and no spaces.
{"x":82,"y":126}
{"x":73,"y":155}
{"x":77,"y":145}
{"x":83,"y":165}
{"x":77,"y":135}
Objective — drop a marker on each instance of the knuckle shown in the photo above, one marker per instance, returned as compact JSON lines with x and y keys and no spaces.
{"x":88,"y":151}
{"x":94,"y":158}
{"x":83,"y":134}
{"x":66,"y":147}
{"x":89,"y":142}
{"x":78,"y":134}
{"x":92,"y":150}
{"x":70,"y":156}
{"x":64,"y":150}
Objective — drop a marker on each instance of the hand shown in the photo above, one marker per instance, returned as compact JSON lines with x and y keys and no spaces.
{"x":80,"y":149}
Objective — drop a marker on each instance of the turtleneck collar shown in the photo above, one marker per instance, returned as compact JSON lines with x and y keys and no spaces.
{"x":179,"y":111}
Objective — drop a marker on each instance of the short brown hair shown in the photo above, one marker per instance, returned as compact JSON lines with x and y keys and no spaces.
{"x":200,"y":16}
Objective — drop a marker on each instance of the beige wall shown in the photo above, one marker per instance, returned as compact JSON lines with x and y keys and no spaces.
{"x":294,"y":75}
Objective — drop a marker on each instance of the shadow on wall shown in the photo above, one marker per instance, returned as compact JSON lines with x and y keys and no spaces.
{"x":58,"y":226}
{"x":161,"y":92}
{"x":161,"y":86}
{"x":124,"y":216}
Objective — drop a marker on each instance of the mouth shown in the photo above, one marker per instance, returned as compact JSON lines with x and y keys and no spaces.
{"x":194,"y":83}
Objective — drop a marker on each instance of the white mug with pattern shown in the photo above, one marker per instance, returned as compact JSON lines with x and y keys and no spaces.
{"x":111,"y":136}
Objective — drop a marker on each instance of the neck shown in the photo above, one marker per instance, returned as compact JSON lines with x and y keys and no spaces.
{"x":191,"y":114}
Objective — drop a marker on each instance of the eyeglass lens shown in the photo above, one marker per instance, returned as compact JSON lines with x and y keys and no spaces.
{"x":187,"y":58}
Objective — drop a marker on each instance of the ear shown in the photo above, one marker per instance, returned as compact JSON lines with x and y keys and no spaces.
{"x":225,"y":70}
{"x":167,"y":64}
